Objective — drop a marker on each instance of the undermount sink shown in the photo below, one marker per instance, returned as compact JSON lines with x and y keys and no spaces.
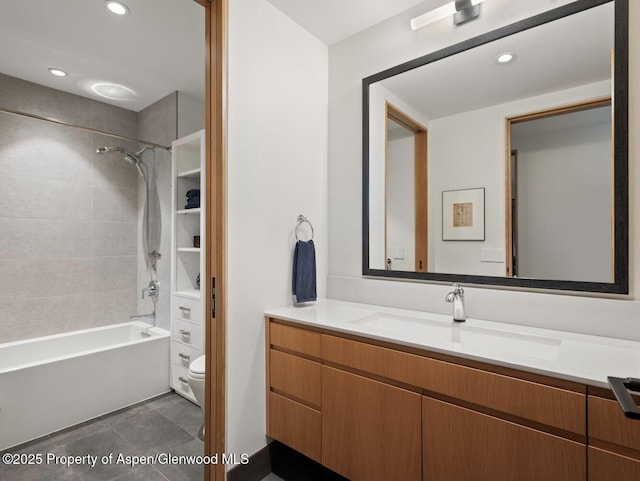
{"x":463,"y":337}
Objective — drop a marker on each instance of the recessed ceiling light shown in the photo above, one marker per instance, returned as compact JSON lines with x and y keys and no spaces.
{"x":117,"y":7}
{"x":57,"y":72}
{"x":506,"y":57}
{"x":113,"y":91}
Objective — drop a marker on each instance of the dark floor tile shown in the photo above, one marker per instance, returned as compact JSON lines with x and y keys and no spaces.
{"x":185,"y":471}
{"x":121,"y":415}
{"x":102,"y":443}
{"x":184,"y":413}
{"x":78,"y":431}
{"x":48,"y":472}
{"x":151,"y":433}
{"x":46,"y":464}
{"x":272,"y":477}
{"x":143,"y":473}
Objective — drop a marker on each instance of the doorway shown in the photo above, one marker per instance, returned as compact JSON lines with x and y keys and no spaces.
{"x":559,"y":193}
{"x":406,"y":184}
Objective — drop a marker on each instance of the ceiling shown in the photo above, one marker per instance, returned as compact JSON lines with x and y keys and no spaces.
{"x":555,"y":56}
{"x":155,"y":50}
{"x":335,"y":20}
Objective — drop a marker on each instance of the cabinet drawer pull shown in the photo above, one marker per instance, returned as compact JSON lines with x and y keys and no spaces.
{"x":183,"y":380}
{"x":185,"y":310}
{"x":185,"y":357}
{"x":620,"y":387}
{"x":185,"y":334}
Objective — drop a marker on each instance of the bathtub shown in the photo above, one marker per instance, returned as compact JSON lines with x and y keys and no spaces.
{"x":53,"y":382}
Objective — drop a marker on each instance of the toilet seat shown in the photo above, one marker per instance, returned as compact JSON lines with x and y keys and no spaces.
{"x":197,"y":368}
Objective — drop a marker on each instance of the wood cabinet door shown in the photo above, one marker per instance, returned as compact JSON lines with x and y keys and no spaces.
{"x":461,"y":445}
{"x":608,"y":466}
{"x":370,"y":430}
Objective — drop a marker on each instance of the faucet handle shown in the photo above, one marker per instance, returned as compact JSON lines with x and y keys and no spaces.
{"x":457,"y":289}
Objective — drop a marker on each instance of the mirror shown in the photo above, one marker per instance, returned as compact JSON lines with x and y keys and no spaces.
{"x":513,"y":172}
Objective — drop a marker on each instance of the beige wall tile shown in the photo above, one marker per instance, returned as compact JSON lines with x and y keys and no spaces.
{"x":25,"y":318}
{"x":28,"y":278}
{"x":114,"y":239}
{"x":43,"y":199}
{"x":38,"y":238}
{"x":112,"y":307}
{"x":114,"y":273}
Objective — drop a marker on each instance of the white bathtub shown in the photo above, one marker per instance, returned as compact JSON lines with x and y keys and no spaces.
{"x":53,"y":382}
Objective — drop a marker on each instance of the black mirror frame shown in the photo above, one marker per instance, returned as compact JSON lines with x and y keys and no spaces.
{"x":621,"y":188}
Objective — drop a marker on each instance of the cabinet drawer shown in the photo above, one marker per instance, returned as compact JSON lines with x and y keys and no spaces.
{"x":182,"y":354}
{"x":460,"y":444}
{"x":295,"y":425}
{"x":608,"y":423}
{"x":179,"y":380}
{"x":186,"y":309}
{"x":295,"y":339}
{"x":540,"y":403}
{"x":296,"y":377}
{"x":187,"y":332}
{"x":607,"y":466}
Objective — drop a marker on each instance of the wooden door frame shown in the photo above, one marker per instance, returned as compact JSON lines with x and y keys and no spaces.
{"x":420,"y":182}
{"x":509,"y":121}
{"x":215,"y":222}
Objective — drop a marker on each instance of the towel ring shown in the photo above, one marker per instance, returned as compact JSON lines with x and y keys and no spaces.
{"x":301,"y":220}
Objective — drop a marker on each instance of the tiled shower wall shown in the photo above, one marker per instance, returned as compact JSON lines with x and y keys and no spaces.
{"x":69,"y":235}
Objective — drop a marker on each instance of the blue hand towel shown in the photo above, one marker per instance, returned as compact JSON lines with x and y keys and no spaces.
{"x":304,"y":271}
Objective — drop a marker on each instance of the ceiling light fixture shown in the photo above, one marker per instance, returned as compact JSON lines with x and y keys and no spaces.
{"x":57,"y":72}
{"x":506,"y":57}
{"x":117,"y":7}
{"x":463,"y":11}
{"x":113,"y":91}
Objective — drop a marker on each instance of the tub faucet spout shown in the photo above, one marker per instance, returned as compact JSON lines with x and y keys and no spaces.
{"x":151,"y":316}
{"x":456,"y":296}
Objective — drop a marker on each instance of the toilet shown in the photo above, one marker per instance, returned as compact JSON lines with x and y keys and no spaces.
{"x":196,"y":379}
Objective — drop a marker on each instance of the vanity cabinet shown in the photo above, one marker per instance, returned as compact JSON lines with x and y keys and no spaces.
{"x":372,"y":411}
{"x":370,"y":430}
{"x":614,"y":440}
{"x":294,"y":382}
{"x":187,"y":259}
{"x":463,"y":444}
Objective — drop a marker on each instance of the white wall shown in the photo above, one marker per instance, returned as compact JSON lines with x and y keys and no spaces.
{"x":467,"y":151}
{"x":387,"y":45}
{"x":277,"y":169}
{"x":564,"y":180}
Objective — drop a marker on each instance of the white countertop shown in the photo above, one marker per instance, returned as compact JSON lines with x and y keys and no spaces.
{"x":565,"y":355}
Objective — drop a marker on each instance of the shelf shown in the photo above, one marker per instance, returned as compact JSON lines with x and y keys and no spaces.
{"x":189,"y":211}
{"x":190,"y":294}
{"x":189,"y":249}
{"x":189,"y":173}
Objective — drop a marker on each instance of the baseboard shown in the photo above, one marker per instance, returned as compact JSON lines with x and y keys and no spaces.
{"x":258,"y":467}
{"x":285,"y":463}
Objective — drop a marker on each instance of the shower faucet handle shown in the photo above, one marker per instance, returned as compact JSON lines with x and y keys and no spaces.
{"x":152,"y":290}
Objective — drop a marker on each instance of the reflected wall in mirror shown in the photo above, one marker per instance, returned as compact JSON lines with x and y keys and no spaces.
{"x":487,"y":125}
{"x":559,"y":174}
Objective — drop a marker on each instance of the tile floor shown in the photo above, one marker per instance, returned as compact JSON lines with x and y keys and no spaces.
{"x":165,"y":424}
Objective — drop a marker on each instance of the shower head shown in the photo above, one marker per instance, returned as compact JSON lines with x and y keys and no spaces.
{"x":130,"y":157}
{"x":104,"y":150}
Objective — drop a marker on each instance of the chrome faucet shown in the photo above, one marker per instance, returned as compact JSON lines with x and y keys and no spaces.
{"x":457,"y":297}
{"x":152,"y":290}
